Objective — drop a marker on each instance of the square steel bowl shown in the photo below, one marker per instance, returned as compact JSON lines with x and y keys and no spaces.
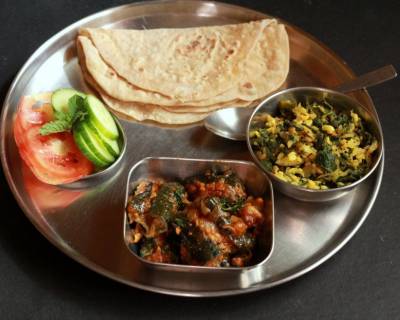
{"x":255,"y":180}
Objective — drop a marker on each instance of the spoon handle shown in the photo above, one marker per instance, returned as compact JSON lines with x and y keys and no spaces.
{"x":369,"y":79}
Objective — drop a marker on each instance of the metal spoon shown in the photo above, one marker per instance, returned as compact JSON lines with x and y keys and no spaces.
{"x":231,"y":123}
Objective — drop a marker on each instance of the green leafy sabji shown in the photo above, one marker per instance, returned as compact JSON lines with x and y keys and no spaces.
{"x":327,"y":105}
{"x":171,"y":250}
{"x":138,"y":200}
{"x":214,"y":174}
{"x":232,"y":179}
{"x":319,"y":145}
{"x":65,"y":120}
{"x":211,"y":202}
{"x":168,"y":201}
{"x":147,"y":247}
{"x":317,"y":122}
{"x":320,"y":141}
{"x":181,"y":221}
{"x":285,"y":108}
{"x":269,"y":143}
{"x":231,"y":206}
{"x":200,"y":248}
{"x":326,"y":159}
{"x":179,"y":194}
{"x":341,"y":119}
{"x":267,"y":164}
{"x":224,"y":204}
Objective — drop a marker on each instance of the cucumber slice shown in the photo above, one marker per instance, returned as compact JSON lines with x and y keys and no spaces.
{"x":111,"y":145}
{"x":82,"y":145}
{"x":94,"y":143}
{"x":101,"y":117}
{"x":60,"y":97}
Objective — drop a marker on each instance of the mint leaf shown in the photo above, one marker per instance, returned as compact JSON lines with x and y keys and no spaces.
{"x":75,"y":103}
{"x":62,"y":116}
{"x":55,"y":127}
{"x":79,"y":116}
{"x":77,"y":108}
{"x":65,"y":120}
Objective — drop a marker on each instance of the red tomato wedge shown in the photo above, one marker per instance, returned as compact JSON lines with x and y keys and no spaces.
{"x":35,"y":110}
{"x":54,"y":159}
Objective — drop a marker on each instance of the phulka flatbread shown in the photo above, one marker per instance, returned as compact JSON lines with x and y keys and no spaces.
{"x":178,"y":76}
{"x":186,"y":64}
{"x":139,"y":111}
{"x":117,"y":88}
{"x":264,"y":70}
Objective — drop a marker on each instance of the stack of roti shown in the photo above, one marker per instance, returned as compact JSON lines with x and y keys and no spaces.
{"x":179,"y":76}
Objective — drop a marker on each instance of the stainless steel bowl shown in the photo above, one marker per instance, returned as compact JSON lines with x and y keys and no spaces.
{"x":341,"y":102}
{"x":105,"y":174}
{"x":256,"y":182}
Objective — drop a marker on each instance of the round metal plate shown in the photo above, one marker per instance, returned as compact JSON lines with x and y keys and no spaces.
{"x":87,"y":224}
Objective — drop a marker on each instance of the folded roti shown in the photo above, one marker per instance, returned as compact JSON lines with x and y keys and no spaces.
{"x":264,"y":70}
{"x":116,"y":87}
{"x":139,"y":111}
{"x":155,"y":113}
{"x":187,"y":64}
{"x":179,"y":76}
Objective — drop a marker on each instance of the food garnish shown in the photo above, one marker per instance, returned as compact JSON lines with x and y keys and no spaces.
{"x":65,"y":119}
{"x":313,"y":145}
{"x":205,"y":220}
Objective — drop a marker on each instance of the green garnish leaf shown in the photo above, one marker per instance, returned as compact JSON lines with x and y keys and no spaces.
{"x":64,"y":120}
{"x":231,"y":206}
{"x":77,"y":110}
{"x":55,"y":127}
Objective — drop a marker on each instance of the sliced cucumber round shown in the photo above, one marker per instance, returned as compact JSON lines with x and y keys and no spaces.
{"x":82,"y":145}
{"x":94,"y":142}
{"x":60,"y":97}
{"x":111,"y":145}
{"x":101,"y":117}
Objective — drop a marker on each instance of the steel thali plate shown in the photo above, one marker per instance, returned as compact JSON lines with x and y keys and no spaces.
{"x":87,"y":224}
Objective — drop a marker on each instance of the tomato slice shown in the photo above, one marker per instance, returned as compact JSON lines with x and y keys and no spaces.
{"x":35,"y":110}
{"x":54,"y":159}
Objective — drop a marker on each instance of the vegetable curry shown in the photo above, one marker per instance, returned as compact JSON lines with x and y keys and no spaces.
{"x":313,"y":145}
{"x":205,"y":220}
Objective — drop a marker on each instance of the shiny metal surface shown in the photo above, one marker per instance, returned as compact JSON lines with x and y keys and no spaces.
{"x":369,"y":79}
{"x":232,"y":123}
{"x":257,"y":184}
{"x":87,"y":224}
{"x":340,"y":101}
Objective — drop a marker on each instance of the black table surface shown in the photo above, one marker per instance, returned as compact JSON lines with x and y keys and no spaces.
{"x":362,"y":281}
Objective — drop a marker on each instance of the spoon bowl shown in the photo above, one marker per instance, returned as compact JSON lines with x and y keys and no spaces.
{"x":229,"y":123}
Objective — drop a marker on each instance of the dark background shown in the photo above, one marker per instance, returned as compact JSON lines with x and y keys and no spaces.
{"x":362,"y":281}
